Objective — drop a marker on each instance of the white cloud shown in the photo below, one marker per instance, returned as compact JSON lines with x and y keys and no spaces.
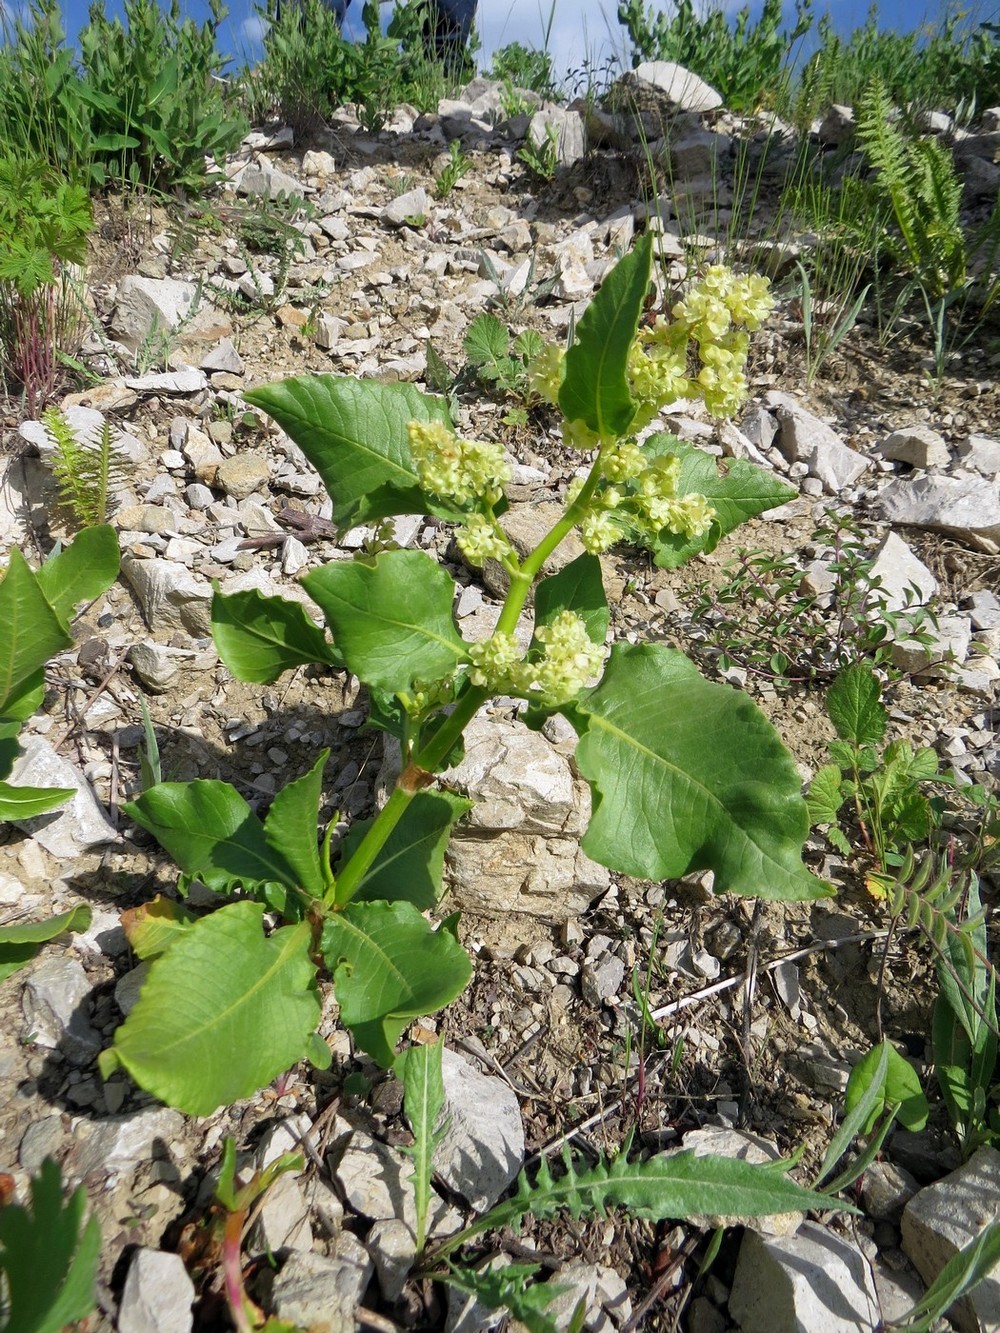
{"x":252,"y":30}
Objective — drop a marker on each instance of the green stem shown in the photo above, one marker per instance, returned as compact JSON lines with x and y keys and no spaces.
{"x":432,"y":755}
{"x":428,"y":760}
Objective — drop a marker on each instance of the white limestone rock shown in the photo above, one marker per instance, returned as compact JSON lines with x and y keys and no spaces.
{"x":947,"y":1215}
{"x":518,"y":849}
{"x":482,"y":1149}
{"x":918,"y":445}
{"x":904,"y":580}
{"x":672,"y":85}
{"x":965,"y":507}
{"x":77,"y":825}
{"x":157,"y":1296}
{"x":812,"y":1282}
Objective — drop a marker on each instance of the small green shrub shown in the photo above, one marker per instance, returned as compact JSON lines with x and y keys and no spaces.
{"x":522,"y":67}
{"x":142,"y":105}
{"x":158,"y":106}
{"x":940,"y":68}
{"x":310,"y":69}
{"x":745,"y":62}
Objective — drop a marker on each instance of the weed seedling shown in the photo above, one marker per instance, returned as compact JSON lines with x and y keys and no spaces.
{"x":451,"y":173}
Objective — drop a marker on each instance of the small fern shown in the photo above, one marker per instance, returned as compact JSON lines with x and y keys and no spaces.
{"x":86,"y":468}
{"x":919,"y":178}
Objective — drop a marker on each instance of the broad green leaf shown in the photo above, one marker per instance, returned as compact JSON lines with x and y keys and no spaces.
{"x":259,"y":637}
{"x":409,"y":867}
{"x":424,"y":1102}
{"x":391,"y":618}
{"x":960,"y":1274}
{"x":81,"y":572}
{"x":826,"y":796}
{"x":26,"y":802}
{"x":854,"y":707}
{"x":21,"y":706}
{"x":48,"y":1256}
{"x":211,"y":833}
{"x":290,"y":827}
{"x":354,"y":433}
{"x":737,"y":490}
{"x":577,"y":587}
{"x":595,"y":387}
{"x":390,"y":966}
{"x":900,"y":1087}
{"x":32,"y":633}
{"x":225,"y":1010}
{"x":486,"y":339}
{"x":153,"y":927}
{"x":689,"y":775}
{"x":20,"y":943}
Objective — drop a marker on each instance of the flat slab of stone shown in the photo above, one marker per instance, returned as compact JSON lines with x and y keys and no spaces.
{"x":966,"y":507}
{"x":158,"y":1295}
{"x":482,"y":1148}
{"x":75,"y":826}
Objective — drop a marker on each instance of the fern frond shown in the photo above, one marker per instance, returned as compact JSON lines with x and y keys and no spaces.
{"x":86,"y":469}
{"x":919,"y":178}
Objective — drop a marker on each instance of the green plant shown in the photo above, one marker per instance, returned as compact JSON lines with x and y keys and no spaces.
{"x":823,"y":328}
{"x":453,"y":170}
{"x":36,"y":607}
{"x":884,"y":789}
{"x":746,"y":62}
{"x":141,"y":102}
{"x":882,"y":1088}
{"x":48,"y":1257}
{"x":498,"y":363}
{"x":45,"y":221}
{"x":798,"y":635}
{"x":674,"y":1184}
{"x":673,"y":788}
{"x":541,"y":156}
{"x":85,"y":468}
{"x":158,"y":105}
{"x":937,"y":68}
{"x":518,"y":66}
{"x":310,"y":69}
{"x":964,"y":1028}
{"x":42,"y":114}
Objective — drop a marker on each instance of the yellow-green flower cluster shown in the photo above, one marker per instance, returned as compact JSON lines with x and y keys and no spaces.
{"x":647,"y":500}
{"x":569,"y":662}
{"x":657,"y":369}
{"x":480,"y":540}
{"x":465,"y":471}
{"x":546,"y":372}
{"x":495,"y":663}
{"x":716,"y":314}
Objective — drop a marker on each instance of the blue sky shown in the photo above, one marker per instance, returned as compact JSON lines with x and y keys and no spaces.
{"x":580,"y":30}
